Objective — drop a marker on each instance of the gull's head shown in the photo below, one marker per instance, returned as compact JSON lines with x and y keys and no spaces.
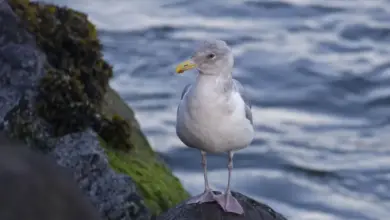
{"x":212,"y":57}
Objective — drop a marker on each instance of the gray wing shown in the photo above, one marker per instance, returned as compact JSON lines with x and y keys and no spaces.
{"x":248,"y":105}
{"x":185,"y":90}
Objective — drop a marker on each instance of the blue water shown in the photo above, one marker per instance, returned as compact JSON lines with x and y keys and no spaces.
{"x":317,"y":72}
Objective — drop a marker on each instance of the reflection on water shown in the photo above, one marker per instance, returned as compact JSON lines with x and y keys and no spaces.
{"x":317,"y":72}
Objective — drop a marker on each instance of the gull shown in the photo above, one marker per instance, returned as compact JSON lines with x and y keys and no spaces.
{"x":214,"y":114}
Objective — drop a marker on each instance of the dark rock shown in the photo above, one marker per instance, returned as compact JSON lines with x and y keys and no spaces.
{"x":34,"y":187}
{"x":21,"y":69}
{"x":21,"y":64}
{"x":212,"y":211}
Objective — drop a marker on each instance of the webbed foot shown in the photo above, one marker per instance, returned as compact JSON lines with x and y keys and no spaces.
{"x":229,"y":204}
{"x":206,"y":196}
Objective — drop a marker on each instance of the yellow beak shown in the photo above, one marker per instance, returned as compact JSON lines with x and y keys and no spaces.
{"x":184,"y":66}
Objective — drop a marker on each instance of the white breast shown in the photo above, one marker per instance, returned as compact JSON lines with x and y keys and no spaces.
{"x":213,"y":123}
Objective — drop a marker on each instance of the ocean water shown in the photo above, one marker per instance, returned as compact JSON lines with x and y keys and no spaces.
{"x":317,"y":72}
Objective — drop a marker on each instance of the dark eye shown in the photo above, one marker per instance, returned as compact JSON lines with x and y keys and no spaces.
{"x":210,"y":56}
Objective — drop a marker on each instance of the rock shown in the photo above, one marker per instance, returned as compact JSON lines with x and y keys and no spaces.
{"x":76,"y":75}
{"x":34,"y":187}
{"x":21,"y":69}
{"x":47,"y":101}
{"x":211,"y":211}
{"x":21,"y":64}
{"x":113,"y":194}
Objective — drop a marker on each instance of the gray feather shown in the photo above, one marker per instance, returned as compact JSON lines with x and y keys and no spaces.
{"x":185,"y":90}
{"x":248,"y":105}
{"x":248,"y":114}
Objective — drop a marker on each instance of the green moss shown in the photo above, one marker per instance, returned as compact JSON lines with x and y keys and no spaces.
{"x":160,"y":189}
{"x":158,"y":186}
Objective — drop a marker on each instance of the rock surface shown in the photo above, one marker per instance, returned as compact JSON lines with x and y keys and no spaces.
{"x":34,"y":187}
{"x":212,"y":211}
{"x":114,"y":194}
{"x":21,"y":64}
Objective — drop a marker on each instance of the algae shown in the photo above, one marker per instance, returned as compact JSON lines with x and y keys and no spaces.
{"x":160,"y":189}
{"x":77,"y":76}
{"x":75,"y":94}
{"x":156,"y":183}
{"x":24,"y":126}
{"x":116,"y":132}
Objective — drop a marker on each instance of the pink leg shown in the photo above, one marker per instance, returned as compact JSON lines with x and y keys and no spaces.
{"x":226,"y":200}
{"x":207,"y":195}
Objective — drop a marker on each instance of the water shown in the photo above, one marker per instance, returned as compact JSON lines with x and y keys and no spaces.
{"x":317,"y":72}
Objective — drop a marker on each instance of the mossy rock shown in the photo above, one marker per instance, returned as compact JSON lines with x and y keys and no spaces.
{"x":158,"y":186}
{"x":73,"y":109}
{"x":76,"y":80}
{"x":75,"y":94}
{"x":116,"y":132}
{"x":77,"y":75}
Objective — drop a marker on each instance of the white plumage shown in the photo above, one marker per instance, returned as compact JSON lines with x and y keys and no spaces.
{"x":214,"y":114}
